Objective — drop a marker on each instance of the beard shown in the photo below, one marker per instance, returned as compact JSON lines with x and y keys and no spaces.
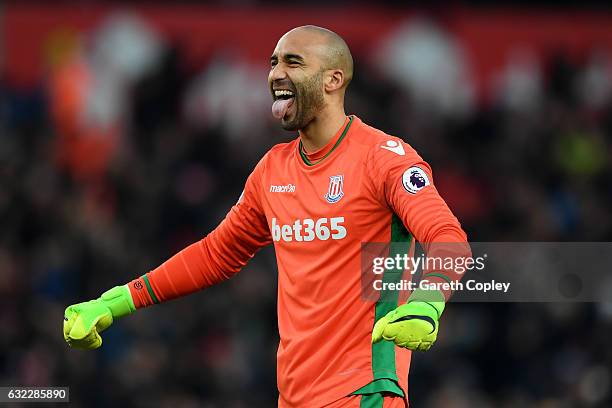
{"x":309,"y":100}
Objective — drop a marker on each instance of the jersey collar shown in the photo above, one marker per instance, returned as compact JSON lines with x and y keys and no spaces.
{"x":305,"y":158}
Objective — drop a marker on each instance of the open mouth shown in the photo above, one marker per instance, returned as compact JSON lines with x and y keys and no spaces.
{"x":283,"y":94}
{"x":283,"y":100}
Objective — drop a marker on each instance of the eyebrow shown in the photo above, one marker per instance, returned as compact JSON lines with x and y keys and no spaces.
{"x":288,"y":57}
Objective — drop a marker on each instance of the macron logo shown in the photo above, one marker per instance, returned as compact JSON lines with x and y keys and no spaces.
{"x":289,"y":188}
{"x":394,"y":147}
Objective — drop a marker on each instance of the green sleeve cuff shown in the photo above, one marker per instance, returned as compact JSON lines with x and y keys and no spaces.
{"x":119,"y":301}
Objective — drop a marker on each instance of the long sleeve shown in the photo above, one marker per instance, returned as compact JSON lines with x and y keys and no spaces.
{"x":217,"y":257}
{"x":407,"y":187}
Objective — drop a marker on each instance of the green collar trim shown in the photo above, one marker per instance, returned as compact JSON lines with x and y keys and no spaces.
{"x":305,"y":158}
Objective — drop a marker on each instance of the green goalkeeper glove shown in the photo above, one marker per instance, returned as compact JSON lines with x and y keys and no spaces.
{"x":84,"y":321}
{"x":413,"y":325}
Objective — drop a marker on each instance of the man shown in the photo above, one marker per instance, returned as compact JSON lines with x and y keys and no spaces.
{"x":341,"y":183}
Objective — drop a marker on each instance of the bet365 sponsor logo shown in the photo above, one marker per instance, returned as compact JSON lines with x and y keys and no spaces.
{"x":309,"y":230}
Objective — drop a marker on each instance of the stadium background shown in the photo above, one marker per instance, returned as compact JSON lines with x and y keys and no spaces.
{"x":127,"y":133}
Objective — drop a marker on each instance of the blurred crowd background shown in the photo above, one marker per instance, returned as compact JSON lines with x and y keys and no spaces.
{"x":127,"y":133}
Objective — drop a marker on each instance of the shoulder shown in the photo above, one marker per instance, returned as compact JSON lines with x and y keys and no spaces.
{"x":281,"y":151}
{"x":383,"y":147}
{"x":277,"y":153}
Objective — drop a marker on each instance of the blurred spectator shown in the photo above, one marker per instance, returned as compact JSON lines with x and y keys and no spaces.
{"x":429,"y":64}
{"x":519,"y":86}
{"x":89,"y":90}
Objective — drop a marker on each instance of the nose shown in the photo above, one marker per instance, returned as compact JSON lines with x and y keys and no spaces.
{"x":277,"y":73}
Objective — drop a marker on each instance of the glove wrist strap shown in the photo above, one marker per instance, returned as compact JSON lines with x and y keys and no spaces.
{"x":433,"y":298}
{"x":119,"y":301}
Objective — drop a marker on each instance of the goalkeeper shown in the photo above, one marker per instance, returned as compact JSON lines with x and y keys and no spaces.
{"x":317,"y":198}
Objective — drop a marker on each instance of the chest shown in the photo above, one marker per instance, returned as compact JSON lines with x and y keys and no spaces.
{"x":335,"y":201}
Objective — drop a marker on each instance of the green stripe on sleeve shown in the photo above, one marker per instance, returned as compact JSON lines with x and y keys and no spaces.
{"x":150,"y":289}
{"x":383,"y":352}
{"x":438,"y":275}
{"x":382,"y":385}
{"x":372,"y":401}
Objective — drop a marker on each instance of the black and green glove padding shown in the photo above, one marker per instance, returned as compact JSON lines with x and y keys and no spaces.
{"x":413,"y":325}
{"x":84,"y":322}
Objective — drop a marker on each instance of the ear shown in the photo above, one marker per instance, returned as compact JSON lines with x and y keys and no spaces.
{"x":334,"y":80}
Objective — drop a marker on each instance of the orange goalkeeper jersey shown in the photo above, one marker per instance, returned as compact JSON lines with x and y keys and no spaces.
{"x":317,"y":215}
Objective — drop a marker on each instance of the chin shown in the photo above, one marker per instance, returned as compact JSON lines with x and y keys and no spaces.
{"x":289,"y":126}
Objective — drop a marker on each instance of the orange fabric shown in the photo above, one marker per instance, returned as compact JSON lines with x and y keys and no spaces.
{"x":324,"y":324}
{"x":354,"y":401}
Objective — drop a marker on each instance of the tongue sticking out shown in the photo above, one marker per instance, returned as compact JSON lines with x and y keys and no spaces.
{"x":280,"y":107}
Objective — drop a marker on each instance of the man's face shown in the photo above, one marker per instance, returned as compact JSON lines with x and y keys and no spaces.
{"x":296,"y":80}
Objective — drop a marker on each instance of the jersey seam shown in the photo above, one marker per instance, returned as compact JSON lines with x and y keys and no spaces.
{"x":381,"y":200}
{"x":260,"y":191}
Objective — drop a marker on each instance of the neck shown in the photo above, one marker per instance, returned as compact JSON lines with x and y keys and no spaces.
{"x":322,"y":128}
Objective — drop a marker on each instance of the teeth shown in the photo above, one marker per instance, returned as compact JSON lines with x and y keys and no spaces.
{"x":283,"y":92}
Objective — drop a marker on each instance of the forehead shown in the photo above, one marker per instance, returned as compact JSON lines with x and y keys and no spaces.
{"x":303,"y":43}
